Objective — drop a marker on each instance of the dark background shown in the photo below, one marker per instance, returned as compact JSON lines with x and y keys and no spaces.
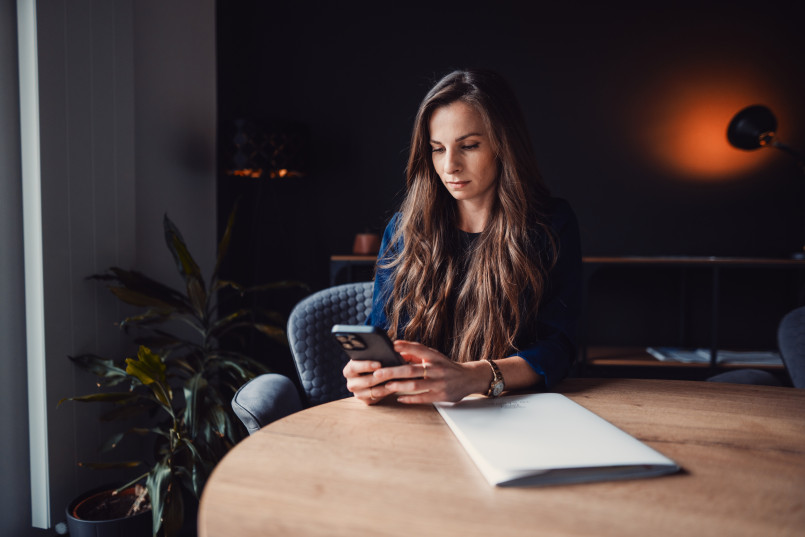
{"x":627,"y":108}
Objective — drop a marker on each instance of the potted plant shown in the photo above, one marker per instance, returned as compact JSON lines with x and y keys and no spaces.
{"x":182,"y":379}
{"x":113,"y":511}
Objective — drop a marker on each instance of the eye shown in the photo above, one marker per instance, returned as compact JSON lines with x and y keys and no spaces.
{"x":471,"y":147}
{"x":437,"y":149}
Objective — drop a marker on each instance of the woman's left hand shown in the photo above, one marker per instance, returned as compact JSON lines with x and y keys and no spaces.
{"x":433,"y":374}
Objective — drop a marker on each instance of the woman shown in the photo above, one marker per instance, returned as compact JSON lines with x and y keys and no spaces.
{"x":479,"y":275}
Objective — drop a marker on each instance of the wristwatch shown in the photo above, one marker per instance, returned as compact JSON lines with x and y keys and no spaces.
{"x":497,"y":385}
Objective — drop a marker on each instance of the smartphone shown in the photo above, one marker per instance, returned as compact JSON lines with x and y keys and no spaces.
{"x":362,"y":342}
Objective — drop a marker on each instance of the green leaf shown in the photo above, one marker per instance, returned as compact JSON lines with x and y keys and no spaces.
{"x":223,"y":245}
{"x":193,"y":398}
{"x":149,"y":317}
{"x":185,"y":263}
{"x":157,"y":483}
{"x":132,"y":482}
{"x":160,"y":340}
{"x":189,"y":318}
{"x":223,"y":284}
{"x":148,"y":367}
{"x":110,"y":465}
{"x":102,"y":367}
{"x":231,"y":435}
{"x":198,"y":297}
{"x":131,"y":279}
{"x":274,"y":317}
{"x":217,"y":419}
{"x":173,"y":513}
{"x":193,"y":449}
{"x":229,"y":319}
{"x":185,"y":365}
{"x":274,"y":332}
{"x":198,"y":478}
{"x":109,"y":382}
{"x":236,"y":369}
{"x":135,"y":298}
{"x":105,"y":397}
{"x":245,"y":361}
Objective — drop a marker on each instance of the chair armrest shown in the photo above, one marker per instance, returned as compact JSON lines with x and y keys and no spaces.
{"x":265,"y":399}
{"x":748,"y":376}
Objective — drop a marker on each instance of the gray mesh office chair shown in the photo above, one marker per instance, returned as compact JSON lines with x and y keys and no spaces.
{"x":791,"y":344}
{"x":791,"y":340}
{"x":319,"y":360}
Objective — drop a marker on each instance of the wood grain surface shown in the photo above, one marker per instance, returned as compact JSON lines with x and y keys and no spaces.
{"x":347,"y":469}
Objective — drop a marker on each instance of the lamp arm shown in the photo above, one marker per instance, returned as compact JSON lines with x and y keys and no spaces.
{"x":791,"y":151}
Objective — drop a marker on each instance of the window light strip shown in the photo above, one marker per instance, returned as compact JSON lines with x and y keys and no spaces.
{"x":34,"y":272}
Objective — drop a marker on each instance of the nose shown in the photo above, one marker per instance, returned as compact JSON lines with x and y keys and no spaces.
{"x":452,"y":163}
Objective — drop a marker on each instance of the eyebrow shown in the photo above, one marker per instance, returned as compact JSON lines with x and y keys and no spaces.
{"x":460,"y":138}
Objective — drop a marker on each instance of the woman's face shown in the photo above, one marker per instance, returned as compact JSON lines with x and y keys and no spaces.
{"x":462,"y":153}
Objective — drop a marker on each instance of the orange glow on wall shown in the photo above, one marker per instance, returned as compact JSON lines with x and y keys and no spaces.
{"x":683,"y":122}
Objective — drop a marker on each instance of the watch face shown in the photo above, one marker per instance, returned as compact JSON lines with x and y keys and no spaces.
{"x":497,"y":388}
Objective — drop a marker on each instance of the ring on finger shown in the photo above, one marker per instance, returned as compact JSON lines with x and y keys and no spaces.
{"x":425,"y":370}
{"x":372,"y":395}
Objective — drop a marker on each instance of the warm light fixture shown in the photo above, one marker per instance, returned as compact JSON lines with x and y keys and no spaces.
{"x":755,"y":127}
{"x":675,"y":117}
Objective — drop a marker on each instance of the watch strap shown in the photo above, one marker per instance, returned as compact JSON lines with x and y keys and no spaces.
{"x":497,"y":377}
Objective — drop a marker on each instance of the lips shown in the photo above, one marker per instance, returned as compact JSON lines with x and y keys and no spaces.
{"x":458,"y":184}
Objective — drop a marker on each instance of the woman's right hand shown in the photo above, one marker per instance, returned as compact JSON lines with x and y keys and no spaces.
{"x":362,"y":383}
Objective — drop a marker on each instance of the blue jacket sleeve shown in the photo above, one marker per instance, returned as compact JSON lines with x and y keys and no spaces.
{"x":383,"y":286}
{"x":552,"y":349}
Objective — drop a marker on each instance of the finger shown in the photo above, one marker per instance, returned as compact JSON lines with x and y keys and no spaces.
{"x":421,"y":397}
{"x":435,"y":394}
{"x":415,"y":352}
{"x":373,"y":394}
{"x":360,"y":367}
{"x":417,"y":399}
{"x":398,"y":372}
{"x":365,"y":397}
{"x":412,"y":358}
{"x":411,"y":348}
{"x":362,"y":382}
{"x":406,"y":386}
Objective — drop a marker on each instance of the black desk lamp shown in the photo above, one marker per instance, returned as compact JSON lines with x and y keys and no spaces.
{"x":755,"y":127}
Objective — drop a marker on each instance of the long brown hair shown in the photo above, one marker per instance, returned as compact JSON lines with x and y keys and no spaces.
{"x":470,"y":305}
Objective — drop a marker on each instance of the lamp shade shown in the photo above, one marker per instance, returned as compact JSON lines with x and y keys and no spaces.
{"x":752,"y":127}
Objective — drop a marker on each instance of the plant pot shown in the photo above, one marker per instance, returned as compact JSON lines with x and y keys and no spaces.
{"x":366,"y":244}
{"x":82,"y":523}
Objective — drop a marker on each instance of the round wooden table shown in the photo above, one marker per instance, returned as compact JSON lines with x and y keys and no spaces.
{"x":344,"y":468}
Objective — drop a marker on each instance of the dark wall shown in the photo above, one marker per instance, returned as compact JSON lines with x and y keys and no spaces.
{"x":605,"y":91}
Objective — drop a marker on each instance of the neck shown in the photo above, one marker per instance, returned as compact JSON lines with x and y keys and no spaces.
{"x":472,"y":217}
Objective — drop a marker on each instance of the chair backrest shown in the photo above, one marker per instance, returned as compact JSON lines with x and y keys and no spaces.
{"x":791,"y":341}
{"x":319,"y":360}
